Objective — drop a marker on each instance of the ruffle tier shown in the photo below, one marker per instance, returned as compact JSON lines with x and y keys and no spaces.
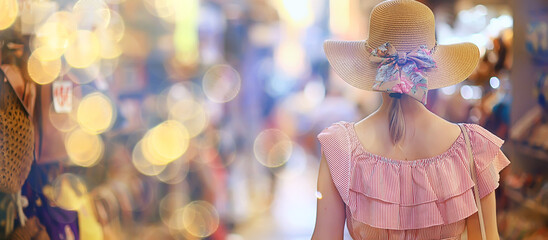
{"x":402,"y":195}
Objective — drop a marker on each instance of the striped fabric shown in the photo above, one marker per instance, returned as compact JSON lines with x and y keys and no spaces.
{"x":422,"y":199}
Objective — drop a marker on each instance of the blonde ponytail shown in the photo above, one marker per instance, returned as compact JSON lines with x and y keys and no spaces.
{"x":397,"y":125}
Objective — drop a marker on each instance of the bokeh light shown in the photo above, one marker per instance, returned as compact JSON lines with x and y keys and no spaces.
{"x":116,"y":27}
{"x":87,"y":75}
{"x":176,"y":220}
{"x":84,"y":149}
{"x":165,"y":9}
{"x":466,"y":92}
{"x":43,"y":71}
{"x":96,"y":113}
{"x":9,"y":9}
{"x":272,"y":148}
{"x":200,"y":219}
{"x":339,"y":22}
{"x":165,"y":143}
{"x":218,"y":144}
{"x":319,"y":195}
{"x":185,"y":36}
{"x":314,"y":91}
{"x":107,"y":67}
{"x":83,"y":50}
{"x":142,"y":164}
{"x":298,"y":13}
{"x":96,"y":72}
{"x":191,"y":114}
{"x":296,"y":165}
{"x":54,"y":35}
{"x":494,"y":82}
{"x":182,"y":91}
{"x":114,"y":1}
{"x":110,"y":36}
{"x":221,"y":83}
{"x":450,"y":90}
{"x":290,"y":58}
{"x":63,"y":122}
{"x":109,"y":47}
{"x":92,"y":13}
{"x":471,"y":92}
{"x":175,"y":172}
{"x":174,"y":200}
{"x":67,"y":191}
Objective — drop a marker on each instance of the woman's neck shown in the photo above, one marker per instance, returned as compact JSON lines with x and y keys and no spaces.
{"x":411,"y":108}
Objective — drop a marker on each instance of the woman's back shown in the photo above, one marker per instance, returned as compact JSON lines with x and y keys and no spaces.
{"x":425,"y":198}
{"x":426,"y":134}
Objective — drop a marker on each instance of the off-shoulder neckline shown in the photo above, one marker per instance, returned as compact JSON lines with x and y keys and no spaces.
{"x":360,"y":147}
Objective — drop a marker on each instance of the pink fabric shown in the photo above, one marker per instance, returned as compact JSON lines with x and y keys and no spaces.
{"x":422,"y":199}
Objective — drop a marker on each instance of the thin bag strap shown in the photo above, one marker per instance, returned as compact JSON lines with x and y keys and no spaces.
{"x":473,"y":175}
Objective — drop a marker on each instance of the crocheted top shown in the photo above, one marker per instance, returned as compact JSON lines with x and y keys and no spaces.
{"x":428,"y":198}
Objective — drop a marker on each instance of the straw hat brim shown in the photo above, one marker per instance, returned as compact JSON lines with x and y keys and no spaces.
{"x":350,"y":60}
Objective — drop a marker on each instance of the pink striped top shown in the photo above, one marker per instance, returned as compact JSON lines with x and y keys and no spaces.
{"x":422,"y":199}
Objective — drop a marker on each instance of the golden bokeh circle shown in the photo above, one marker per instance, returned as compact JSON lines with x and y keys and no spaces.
{"x":96,"y":113}
{"x":182,"y":91}
{"x":109,"y":48}
{"x":190,"y":113}
{"x":65,"y":122}
{"x":166,"y":142}
{"x":173,"y":200}
{"x":83,"y":49}
{"x":142,"y":164}
{"x":115,"y":28}
{"x":82,"y":76}
{"x":200,"y":219}
{"x":164,"y":9}
{"x":43,"y":71}
{"x":54,"y":35}
{"x":175,"y":172}
{"x":9,"y":9}
{"x":92,"y":14}
{"x":84,"y":149}
{"x":67,"y":191}
{"x":110,"y":36}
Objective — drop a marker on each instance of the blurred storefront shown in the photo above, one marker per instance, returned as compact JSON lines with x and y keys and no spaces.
{"x":197,"y":119}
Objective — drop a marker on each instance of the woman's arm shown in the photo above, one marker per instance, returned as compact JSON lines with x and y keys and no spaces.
{"x":330,"y":213}
{"x":488,"y":205}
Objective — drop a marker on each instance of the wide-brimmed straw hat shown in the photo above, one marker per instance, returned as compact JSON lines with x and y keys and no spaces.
{"x":399,"y":28}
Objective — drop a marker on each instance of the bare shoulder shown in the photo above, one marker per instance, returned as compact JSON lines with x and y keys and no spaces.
{"x":429,"y":134}
{"x":440,"y":134}
{"x":428,"y":125}
{"x":373,"y":126}
{"x":451,"y":129}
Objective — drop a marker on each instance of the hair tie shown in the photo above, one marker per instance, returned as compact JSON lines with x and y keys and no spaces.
{"x":395,"y":95}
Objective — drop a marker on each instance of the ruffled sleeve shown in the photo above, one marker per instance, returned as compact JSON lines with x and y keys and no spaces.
{"x":335,"y":145}
{"x":488,"y":158}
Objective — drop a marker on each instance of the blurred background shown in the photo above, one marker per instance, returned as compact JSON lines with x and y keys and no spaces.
{"x":197,"y":119}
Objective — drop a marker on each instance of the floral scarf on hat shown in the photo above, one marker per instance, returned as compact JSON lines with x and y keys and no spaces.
{"x":401,"y":72}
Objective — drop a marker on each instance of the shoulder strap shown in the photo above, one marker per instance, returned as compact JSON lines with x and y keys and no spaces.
{"x":473,"y":174}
